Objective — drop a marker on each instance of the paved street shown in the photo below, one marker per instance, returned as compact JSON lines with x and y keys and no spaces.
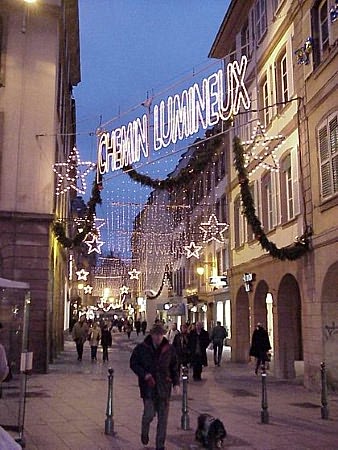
{"x":66,"y":408}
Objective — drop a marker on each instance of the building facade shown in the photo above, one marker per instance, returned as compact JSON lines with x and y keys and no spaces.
{"x":289,"y":138}
{"x":39,"y":65}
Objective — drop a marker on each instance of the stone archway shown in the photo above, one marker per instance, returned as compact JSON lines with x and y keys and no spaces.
{"x":241,"y":332}
{"x":330,"y":323}
{"x":289,"y":328}
{"x":260,"y":310}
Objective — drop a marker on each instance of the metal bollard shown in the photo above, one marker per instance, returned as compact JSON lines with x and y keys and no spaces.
{"x":185,"y":424}
{"x":324,"y":409}
{"x":264,"y":412}
{"x":109,"y":422}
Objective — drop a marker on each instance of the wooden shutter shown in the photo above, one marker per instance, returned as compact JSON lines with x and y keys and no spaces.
{"x":326,"y":183}
{"x":295,"y":180}
{"x":333,"y":129}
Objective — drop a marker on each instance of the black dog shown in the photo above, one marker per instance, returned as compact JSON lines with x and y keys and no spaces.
{"x":210,"y":432}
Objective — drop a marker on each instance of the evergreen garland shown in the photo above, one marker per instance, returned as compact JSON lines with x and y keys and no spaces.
{"x":59,"y":229}
{"x":197,"y":164}
{"x":291,"y":252}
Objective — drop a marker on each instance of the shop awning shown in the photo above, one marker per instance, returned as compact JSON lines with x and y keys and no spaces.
{"x":4,"y":283}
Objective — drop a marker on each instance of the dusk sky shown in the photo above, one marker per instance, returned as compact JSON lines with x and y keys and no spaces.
{"x":131,"y":49}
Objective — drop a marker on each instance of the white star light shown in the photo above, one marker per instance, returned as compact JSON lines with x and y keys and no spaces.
{"x":69,"y":173}
{"x":134,"y":274}
{"x":124,"y":290}
{"x":94,"y":245}
{"x":193,"y":250}
{"x":213,"y":230}
{"x":82,"y":275}
{"x":88,"y":289}
{"x":260,"y":149}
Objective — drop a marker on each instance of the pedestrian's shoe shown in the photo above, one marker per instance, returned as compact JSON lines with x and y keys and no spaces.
{"x":144,"y":438}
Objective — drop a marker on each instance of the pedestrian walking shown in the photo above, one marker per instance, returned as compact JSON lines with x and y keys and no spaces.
{"x":260,"y":346}
{"x":173,"y":331}
{"x":154,"y":361}
{"x":144,"y":327}
{"x":197,"y":343}
{"x":128,"y":328}
{"x":137,"y":326}
{"x":79,"y":335}
{"x":218,"y":334}
{"x":94,"y":337}
{"x":106,"y":341}
{"x":181,"y":346}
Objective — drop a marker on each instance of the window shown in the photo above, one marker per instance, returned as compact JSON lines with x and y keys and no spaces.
{"x":261,"y":22}
{"x":287,"y":194}
{"x":216,"y":171}
{"x":323,"y":27}
{"x":328,"y":156}
{"x":223,"y":208}
{"x":250,"y":233}
{"x":267,"y":202}
{"x":245,"y":39}
{"x":282,"y":80}
{"x":238,"y":223}
{"x":320,"y":30}
{"x":222,"y":158}
{"x":264,"y":101}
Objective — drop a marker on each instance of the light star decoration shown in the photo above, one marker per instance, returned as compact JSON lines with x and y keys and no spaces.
{"x":260,"y":148}
{"x":94,"y":245}
{"x":88,"y":289}
{"x":82,"y":275}
{"x":193,"y":250}
{"x":134,"y":274}
{"x":213,"y":229}
{"x":124,"y":290}
{"x":69,"y":173}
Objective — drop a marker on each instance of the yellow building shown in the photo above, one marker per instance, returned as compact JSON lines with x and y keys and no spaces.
{"x":39,"y":64}
{"x":292,"y":102}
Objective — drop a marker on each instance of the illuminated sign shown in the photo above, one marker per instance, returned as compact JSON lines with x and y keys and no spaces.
{"x":217,"y":97}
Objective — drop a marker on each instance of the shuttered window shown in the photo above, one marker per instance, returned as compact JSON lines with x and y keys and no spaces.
{"x":328,"y":156}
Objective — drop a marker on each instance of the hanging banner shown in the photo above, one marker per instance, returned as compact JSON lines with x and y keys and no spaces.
{"x":202,"y":105}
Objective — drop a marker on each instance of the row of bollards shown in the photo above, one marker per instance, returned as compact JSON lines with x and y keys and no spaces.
{"x":324,"y":401}
{"x":185,"y":421}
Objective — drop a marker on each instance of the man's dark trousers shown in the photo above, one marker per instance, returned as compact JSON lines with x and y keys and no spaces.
{"x":218,"y":350}
{"x":151,"y":407}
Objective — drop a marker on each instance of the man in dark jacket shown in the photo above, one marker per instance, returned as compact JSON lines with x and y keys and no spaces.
{"x":197,"y":344}
{"x":154,"y":361}
{"x":260,"y":345}
{"x":218,"y":334}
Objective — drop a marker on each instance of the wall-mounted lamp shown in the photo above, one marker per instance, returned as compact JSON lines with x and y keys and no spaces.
{"x":200,"y":270}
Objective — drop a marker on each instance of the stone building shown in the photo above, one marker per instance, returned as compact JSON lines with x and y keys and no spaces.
{"x":39,"y":65}
{"x":290,"y":137}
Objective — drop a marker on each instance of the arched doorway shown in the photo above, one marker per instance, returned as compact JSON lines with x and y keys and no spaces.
{"x":260,"y":310}
{"x":241,"y":331}
{"x":330,"y":324}
{"x":289,"y":318}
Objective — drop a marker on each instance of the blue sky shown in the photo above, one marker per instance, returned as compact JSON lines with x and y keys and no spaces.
{"x":131,"y":49}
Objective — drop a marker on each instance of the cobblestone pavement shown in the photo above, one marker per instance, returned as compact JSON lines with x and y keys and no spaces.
{"x":66,"y":408}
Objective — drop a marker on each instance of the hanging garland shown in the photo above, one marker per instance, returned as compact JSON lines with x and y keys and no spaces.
{"x":166,"y":278}
{"x":59,"y":229}
{"x":199,"y":161}
{"x":291,"y":252}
